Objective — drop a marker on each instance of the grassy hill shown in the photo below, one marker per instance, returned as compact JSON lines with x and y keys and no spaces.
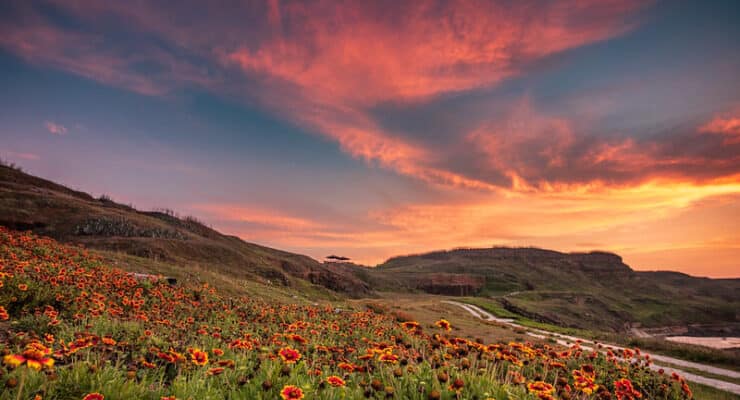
{"x":158,"y":241}
{"x":586,"y":290}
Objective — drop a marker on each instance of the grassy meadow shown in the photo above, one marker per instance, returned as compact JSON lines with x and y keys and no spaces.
{"x":75,"y":328}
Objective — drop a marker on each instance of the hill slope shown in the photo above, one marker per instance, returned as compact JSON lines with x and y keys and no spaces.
{"x":50,"y":209}
{"x":586,"y":290}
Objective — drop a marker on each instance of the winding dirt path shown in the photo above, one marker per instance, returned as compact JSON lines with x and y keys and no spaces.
{"x":566,"y":340}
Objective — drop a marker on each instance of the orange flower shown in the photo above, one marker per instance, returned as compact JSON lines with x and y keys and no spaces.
{"x":291,"y":392}
{"x":215,"y":371}
{"x":444,"y":324}
{"x":457,"y":385}
{"x":584,"y":379}
{"x":410,"y":325}
{"x":289,"y":355}
{"x":93,"y":396}
{"x":217,"y":352}
{"x":3,"y":314}
{"x":22,"y":287}
{"x":540,"y":388}
{"x":335,"y":381}
{"x":346,"y":366}
{"x":516,"y":377}
{"x":297,"y":338}
{"x":198,"y":357}
{"x":625,"y":391}
{"x":388,"y":358}
{"x":34,"y":356}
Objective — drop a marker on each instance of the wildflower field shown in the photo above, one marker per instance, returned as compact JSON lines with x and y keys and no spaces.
{"x":73,"y":328}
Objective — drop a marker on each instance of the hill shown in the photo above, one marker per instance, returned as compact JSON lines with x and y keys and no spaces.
{"x":585,"y":290}
{"x":151,"y":237}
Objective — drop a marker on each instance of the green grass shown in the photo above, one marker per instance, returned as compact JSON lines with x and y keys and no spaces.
{"x":702,"y":373}
{"x":702,"y":392}
{"x":729,"y":359}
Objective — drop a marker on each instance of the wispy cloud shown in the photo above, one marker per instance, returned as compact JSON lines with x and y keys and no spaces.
{"x":55,"y":128}
{"x":323,"y":65}
{"x":21,"y":156}
{"x":727,"y":126}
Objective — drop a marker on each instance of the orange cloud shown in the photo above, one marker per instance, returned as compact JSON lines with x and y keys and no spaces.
{"x":255,"y":215}
{"x":671,"y":214}
{"x":322,"y":64}
{"x":364,"y":53}
{"x":727,"y":126}
{"x":337,"y":60}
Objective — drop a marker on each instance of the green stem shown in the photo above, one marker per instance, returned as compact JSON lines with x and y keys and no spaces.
{"x":22,"y":382}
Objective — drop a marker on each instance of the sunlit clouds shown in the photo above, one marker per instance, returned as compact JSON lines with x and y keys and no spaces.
{"x":728,"y":126}
{"x":372,"y":129}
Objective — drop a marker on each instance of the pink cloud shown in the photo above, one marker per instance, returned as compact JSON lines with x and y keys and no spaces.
{"x":255,"y":215}
{"x":96,"y":56}
{"x":22,"y":156}
{"x":728,"y":126}
{"x":323,"y":65}
{"x":344,"y":58}
{"x":55,"y":129}
{"x":358,"y":52}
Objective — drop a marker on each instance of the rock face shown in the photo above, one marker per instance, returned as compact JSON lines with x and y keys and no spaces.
{"x":338,"y":282}
{"x":452,"y":284}
{"x":598,"y":261}
{"x":124,"y":228}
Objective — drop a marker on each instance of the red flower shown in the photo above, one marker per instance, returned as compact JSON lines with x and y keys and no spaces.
{"x":291,"y":392}
{"x":540,"y":387}
{"x":289,"y":355}
{"x":335,"y":381}
{"x":388,"y":358}
{"x":93,"y":396}
{"x":34,"y":356}
{"x":410,"y":325}
{"x":444,"y":324}
{"x":624,"y":390}
{"x":198,"y":357}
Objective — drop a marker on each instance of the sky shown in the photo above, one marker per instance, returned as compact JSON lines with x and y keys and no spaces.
{"x":370,"y":129}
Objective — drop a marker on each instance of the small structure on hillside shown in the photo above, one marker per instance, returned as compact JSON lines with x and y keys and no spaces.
{"x":335,"y":258}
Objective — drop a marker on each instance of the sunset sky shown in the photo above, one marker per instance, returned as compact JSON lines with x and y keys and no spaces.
{"x":370,"y":129}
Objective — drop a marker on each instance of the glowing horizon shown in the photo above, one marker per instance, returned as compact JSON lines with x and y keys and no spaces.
{"x":377,"y":129}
